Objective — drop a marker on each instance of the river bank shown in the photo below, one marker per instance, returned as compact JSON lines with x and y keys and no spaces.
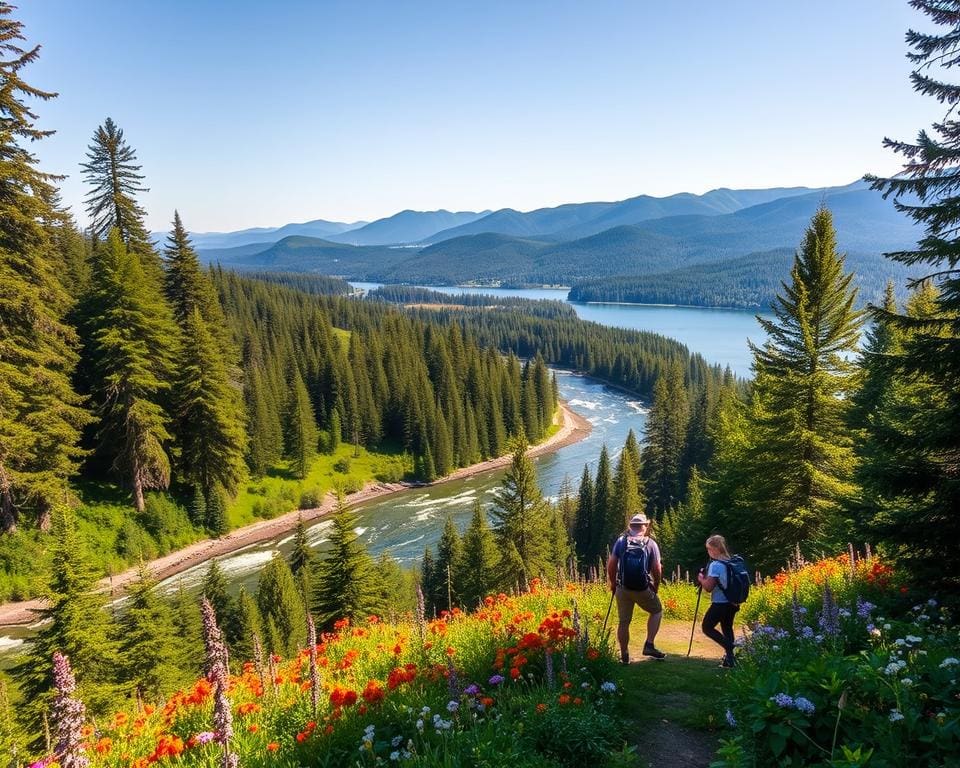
{"x":573,"y":428}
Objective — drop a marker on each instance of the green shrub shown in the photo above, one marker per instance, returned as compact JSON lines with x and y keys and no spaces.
{"x":311,"y":499}
{"x":342,"y":465}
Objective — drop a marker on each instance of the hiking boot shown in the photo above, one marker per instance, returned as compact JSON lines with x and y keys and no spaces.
{"x":624,"y":660}
{"x":728,"y":663}
{"x":649,"y":650}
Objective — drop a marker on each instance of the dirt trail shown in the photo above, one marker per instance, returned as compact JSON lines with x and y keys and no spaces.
{"x":574,"y":428}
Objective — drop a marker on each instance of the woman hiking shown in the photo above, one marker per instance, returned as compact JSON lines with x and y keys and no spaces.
{"x":721,"y":611}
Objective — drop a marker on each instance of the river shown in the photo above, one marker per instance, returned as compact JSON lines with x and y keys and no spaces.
{"x":406,"y":522}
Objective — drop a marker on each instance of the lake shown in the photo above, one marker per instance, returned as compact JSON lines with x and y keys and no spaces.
{"x":720,"y":335}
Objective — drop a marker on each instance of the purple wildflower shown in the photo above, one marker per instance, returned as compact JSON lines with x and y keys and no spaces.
{"x":218,"y":674}
{"x":496,"y":680}
{"x":798,"y":612}
{"x":548,"y":663}
{"x":782,"y":700}
{"x":68,"y":714}
{"x":472,"y":690}
{"x":205,"y":737}
{"x":830,"y":617}
{"x":804,"y":705}
{"x":314,"y":669}
{"x":864,"y":608}
{"x":731,"y":720}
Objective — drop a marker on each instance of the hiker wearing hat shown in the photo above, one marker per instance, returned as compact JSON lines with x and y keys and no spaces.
{"x":634,"y":574}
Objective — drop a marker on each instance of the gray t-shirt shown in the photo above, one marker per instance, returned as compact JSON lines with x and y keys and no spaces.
{"x":653,"y":551}
{"x":719,"y":570}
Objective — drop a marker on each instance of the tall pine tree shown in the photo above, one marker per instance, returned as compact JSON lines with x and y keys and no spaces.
{"x":926,"y":191}
{"x":801,"y":462}
{"x":129,"y":342}
{"x":345,"y":587}
{"x":40,"y":414}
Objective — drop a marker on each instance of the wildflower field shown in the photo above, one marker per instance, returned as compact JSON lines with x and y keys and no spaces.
{"x":518,"y":682}
{"x":840,"y":667}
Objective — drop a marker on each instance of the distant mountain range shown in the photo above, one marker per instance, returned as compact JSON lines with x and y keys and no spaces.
{"x":581,"y":242}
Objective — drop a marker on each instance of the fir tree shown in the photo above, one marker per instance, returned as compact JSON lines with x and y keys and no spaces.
{"x":626,"y":493}
{"x":149,"y":648}
{"x":394,"y":585}
{"x":40,"y":414}
{"x":478,"y":564}
{"x":197,"y":510}
{"x":209,"y":413}
{"x":801,"y":461}
{"x":215,"y":588}
{"x":666,"y":431}
{"x":345,"y":586}
{"x":449,"y":554}
{"x":248,"y":627}
{"x":279,"y":601}
{"x":301,"y":555}
{"x":129,"y":332}
{"x":301,"y":428}
{"x":583,"y":526}
{"x":428,"y":577}
{"x":188,"y":631}
{"x":115,"y":178}
{"x":601,"y":533}
{"x":567,"y":505}
{"x":76,"y":623}
{"x":217,"y":522}
{"x":926,"y":191}
{"x":188,"y":289}
{"x":521,"y":514}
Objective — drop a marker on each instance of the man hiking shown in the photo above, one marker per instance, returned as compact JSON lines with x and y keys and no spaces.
{"x":633,"y":575}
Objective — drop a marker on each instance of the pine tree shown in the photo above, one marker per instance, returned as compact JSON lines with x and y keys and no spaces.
{"x":248,"y":627}
{"x":40,"y":414}
{"x":395,"y":589}
{"x":215,"y":588}
{"x":345,"y":587}
{"x":188,"y":631}
{"x":76,"y":623}
{"x":801,"y":461}
{"x":115,"y":179}
{"x":583,"y":526}
{"x":478,"y":564}
{"x":925,"y":190}
{"x":428,"y":576}
{"x":446,"y":585}
{"x":626,"y":493}
{"x":567,"y":505}
{"x":666,"y":431}
{"x":601,"y":534}
{"x":188,"y":289}
{"x":279,"y":601}
{"x":149,"y":648}
{"x":209,"y":413}
{"x":197,"y":510}
{"x":217,"y":522}
{"x":301,"y":428}
{"x":521,"y":513}
{"x":301,"y":556}
{"x":335,"y":434}
{"x":129,"y":343}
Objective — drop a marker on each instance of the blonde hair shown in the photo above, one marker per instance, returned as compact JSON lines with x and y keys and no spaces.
{"x":720,"y":544}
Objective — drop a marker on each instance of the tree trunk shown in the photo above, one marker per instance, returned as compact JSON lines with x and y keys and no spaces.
{"x":137,"y":490}
{"x":8,"y":513}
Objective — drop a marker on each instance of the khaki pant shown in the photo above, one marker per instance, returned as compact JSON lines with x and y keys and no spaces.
{"x":627,"y":598}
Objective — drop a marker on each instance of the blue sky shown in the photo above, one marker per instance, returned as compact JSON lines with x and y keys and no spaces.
{"x":257,"y":114}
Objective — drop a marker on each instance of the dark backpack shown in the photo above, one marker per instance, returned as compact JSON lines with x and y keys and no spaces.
{"x":738,"y":580}
{"x":634,"y":563}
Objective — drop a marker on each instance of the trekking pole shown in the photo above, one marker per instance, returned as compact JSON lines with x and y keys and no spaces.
{"x":695,"y":611}
{"x":603,"y":632}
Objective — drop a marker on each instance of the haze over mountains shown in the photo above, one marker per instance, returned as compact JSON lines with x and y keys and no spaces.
{"x":578,"y":242}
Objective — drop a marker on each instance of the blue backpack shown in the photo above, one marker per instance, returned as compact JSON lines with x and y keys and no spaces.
{"x":738,"y":580}
{"x":634,"y":563}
